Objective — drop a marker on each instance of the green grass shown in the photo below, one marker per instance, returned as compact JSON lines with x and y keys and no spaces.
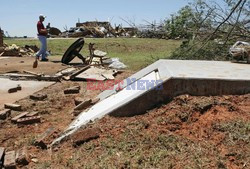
{"x":136,"y":53}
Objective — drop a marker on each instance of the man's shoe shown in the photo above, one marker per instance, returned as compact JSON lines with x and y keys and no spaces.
{"x":45,"y":60}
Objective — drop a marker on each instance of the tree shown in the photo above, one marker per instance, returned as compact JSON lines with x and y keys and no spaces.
{"x":214,"y":28}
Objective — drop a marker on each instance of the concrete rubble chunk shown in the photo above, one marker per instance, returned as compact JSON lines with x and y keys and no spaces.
{"x":14,"y":119}
{"x":72,"y":90}
{"x":4,"y":114}
{"x":38,"y":97}
{"x":85,"y":135}
{"x":2,"y":151}
{"x":97,"y":74}
{"x":22,"y":157}
{"x":41,"y":140}
{"x":10,"y":106}
{"x":67,"y":72}
{"x":83,"y":105}
{"x":10,"y":160}
{"x":29,"y":120}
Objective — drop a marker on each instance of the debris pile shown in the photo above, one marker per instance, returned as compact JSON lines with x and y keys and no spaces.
{"x":96,"y":29}
{"x":14,"y":50}
{"x":1,"y":38}
{"x":240,"y":51}
{"x":54,"y":32}
{"x":14,"y":159}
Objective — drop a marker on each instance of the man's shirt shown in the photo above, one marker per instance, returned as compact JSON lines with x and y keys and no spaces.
{"x":40,"y":26}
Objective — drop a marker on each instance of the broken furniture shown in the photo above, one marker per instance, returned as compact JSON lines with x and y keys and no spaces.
{"x":95,"y":54}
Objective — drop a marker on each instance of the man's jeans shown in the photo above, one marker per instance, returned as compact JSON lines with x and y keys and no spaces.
{"x":43,"y":49}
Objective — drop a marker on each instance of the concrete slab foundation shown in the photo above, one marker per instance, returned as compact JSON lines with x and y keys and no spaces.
{"x":28,"y":88}
{"x":162,"y":81}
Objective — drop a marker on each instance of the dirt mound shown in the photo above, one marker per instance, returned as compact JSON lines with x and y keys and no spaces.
{"x":205,"y":132}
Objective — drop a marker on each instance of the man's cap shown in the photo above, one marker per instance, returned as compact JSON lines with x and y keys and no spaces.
{"x":42,"y":16}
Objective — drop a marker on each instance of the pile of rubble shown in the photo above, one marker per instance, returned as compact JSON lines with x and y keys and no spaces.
{"x":240,"y":51}
{"x":99,"y":30}
{"x":14,"y":50}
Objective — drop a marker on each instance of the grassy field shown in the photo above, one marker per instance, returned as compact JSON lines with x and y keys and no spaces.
{"x":136,"y":53}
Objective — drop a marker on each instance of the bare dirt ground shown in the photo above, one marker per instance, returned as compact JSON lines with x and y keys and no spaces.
{"x":188,"y":132}
{"x":25,"y":64}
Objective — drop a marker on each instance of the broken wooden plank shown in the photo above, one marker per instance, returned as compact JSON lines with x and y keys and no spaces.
{"x":108,"y":76}
{"x":41,"y":140}
{"x":78,"y":100}
{"x":79,"y":72}
{"x":14,"y":119}
{"x":32,"y":73}
{"x":49,"y":78}
{"x":66,"y":72}
{"x":29,"y":120}
{"x":83,"y":105}
{"x":15,"y":107}
{"x":4,"y":114}
{"x":31,"y":114}
{"x":10,"y":160}
{"x":31,"y":77}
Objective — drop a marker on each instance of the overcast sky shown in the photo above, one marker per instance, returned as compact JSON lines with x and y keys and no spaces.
{"x":19,"y":17}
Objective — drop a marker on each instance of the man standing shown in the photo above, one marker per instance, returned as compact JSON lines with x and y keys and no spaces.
{"x":42,"y":36}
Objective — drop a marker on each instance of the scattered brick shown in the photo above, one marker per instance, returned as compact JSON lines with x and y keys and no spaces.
{"x":13,"y":107}
{"x":2,"y":151}
{"x":4,"y":114}
{"x":12,"y":90}
{"x":86,"y":135}
{"x":83,"y":105}
{"x":14,"y":119}
{"x":78,"y":100}
{"x":41,"y":141}
{"x":22,"y":157}
{"x":15,"y":89}
{"x":29,"y":120}
{"x":72,"y":90}
{"x":38,"y":97}
{"x":10,"y":160}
